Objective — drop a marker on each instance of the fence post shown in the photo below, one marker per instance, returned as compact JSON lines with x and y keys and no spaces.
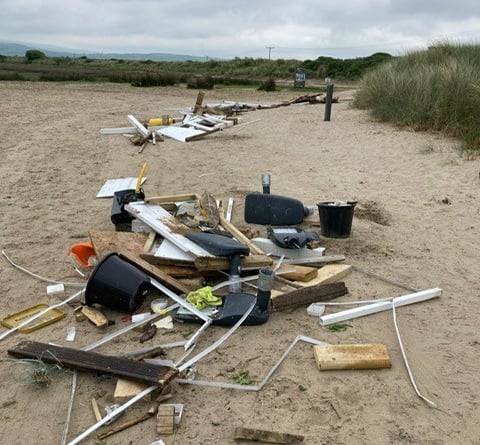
{"x":328,"y":102}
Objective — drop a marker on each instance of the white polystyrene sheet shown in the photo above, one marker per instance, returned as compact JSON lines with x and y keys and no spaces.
{"x":179,"y":133}
{"x":114,"y":185}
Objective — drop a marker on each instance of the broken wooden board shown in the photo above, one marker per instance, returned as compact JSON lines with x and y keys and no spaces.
{"x":330,"y":273}
{"x":130,"y":246}
{"x":155,"y":272}
{"x":352,"y":356}
{"x":264,"y":436}
{"x":308,"y":295}
{"x":298,"y":273}
{"x":125,"y":389}
{"x":249,"y":262}
{"x":166,"y":419}
{"x":166,"y":225}
{"x":95,"y":316}
{"x":266,"y":245}
{"x":105,"y":242}
{"x":91,"y":361}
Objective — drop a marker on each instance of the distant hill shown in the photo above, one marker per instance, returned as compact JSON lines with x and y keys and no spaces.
{"x":17,"y":49}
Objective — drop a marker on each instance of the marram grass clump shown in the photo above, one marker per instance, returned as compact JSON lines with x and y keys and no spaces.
{"x":436,"y":89}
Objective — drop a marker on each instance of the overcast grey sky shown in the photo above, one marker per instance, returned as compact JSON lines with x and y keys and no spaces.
{"x":297,"y":29}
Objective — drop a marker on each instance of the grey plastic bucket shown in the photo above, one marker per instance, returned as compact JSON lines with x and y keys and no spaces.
{"x":117,"y":284}
{"x":336,"y":220}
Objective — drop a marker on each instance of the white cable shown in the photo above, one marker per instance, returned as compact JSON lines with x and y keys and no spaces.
{"x":429,"y":402}
{"x":39,"y":277}
{"x":69,"y":412}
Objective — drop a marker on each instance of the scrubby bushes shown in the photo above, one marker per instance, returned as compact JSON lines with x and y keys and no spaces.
{"x":436,"y":89}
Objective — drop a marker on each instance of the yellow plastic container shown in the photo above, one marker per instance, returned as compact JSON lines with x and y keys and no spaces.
{"x":159,"y":121}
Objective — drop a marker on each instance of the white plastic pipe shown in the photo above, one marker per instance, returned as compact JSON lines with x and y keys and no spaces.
{"x":373,"y":308}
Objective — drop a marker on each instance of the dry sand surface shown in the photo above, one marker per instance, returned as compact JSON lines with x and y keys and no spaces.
{"x":416,"y":224}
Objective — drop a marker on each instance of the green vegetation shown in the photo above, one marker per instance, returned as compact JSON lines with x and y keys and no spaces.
{"x":436,"y":89}
{"x":34,"y":54}
{"x":257,"y":73}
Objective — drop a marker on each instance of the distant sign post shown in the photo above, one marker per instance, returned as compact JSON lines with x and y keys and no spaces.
{"x":299,"y":78}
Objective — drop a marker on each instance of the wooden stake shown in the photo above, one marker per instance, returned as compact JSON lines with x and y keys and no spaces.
{"x":124,"y":426}
{"x":96,"y":410}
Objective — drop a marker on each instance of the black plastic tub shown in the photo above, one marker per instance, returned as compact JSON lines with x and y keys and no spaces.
{"x":336,"y":220}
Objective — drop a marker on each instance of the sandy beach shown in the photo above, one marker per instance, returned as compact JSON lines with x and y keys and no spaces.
{"x":415,"y":227}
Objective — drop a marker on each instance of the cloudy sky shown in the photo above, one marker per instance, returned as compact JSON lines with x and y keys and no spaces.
{"x":297,"y":29}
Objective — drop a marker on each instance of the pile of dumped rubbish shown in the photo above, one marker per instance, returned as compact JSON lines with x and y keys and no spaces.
{"x":179,"y":259}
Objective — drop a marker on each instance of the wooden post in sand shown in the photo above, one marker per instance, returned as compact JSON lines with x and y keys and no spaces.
{"x":328,"y":102}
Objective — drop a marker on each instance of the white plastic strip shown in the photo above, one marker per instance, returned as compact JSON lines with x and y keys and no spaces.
{"x":373,"y":308}
{"x":215,"y":345}
{"x":39,"y":277}
{"x":267,"y":377}
{"x":430,"y":403}
{"x":113,"y":414}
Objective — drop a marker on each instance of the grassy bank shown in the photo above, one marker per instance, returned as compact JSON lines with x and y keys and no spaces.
{"x":436,"y":89}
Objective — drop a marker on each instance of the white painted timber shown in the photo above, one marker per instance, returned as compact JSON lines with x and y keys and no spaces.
{"x":169,"y":250}
{"x":269,"y":247}
{"x":121,"y":130}
{"x":373,"y":308}
{"x":141,"y":129}
{"x":179,"y":133}
{"x":161,"y":221}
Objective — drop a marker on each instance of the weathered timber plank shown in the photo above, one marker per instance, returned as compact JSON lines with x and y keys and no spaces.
{"x":266,"y":436}
{"x":307,"y":295}
{"x":91,"y":361}
{"x":352,"y":356}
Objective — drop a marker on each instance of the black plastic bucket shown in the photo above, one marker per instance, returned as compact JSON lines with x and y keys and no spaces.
{"x":117,"y":284}
{"x":336,"y":220}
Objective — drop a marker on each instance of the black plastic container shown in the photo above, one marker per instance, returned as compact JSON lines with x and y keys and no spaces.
{"x":336,"y":220}
{"x":119,"y":216}
{"x":117,"y":284}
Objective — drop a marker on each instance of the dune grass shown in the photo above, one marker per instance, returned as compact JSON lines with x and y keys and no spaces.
{"x":436,"y":89}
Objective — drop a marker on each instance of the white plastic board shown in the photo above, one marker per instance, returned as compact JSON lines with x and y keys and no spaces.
{"x":114,"y":185}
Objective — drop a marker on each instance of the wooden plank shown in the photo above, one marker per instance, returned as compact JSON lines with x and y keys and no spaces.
{"x":105,"y":242}
{"x":91,"y":361}
{"x":95,"y":316}
{"x":265,"y":436}
{"x":96,"y":410}
{"x":229,"y":227}
{"x":330,"y":273}
{"x":150,"y":241}
{"x":124,"y":425}
{"x":352,"y":356}
{"x":266,"y":245}
{"x":155,"y":272}
{"x":126,"y":389}
{"x":300,"y":273}
{"x":308,"y":295}
{"x":130,"y":246}
{"x":171,"y":198}
{"x":165,"y":419}
{"x":248,"y":262}
{"x":166,"y":225}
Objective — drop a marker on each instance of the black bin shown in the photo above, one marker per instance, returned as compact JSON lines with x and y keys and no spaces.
{"x":336,"y":220}
{"x":117,"y":284}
